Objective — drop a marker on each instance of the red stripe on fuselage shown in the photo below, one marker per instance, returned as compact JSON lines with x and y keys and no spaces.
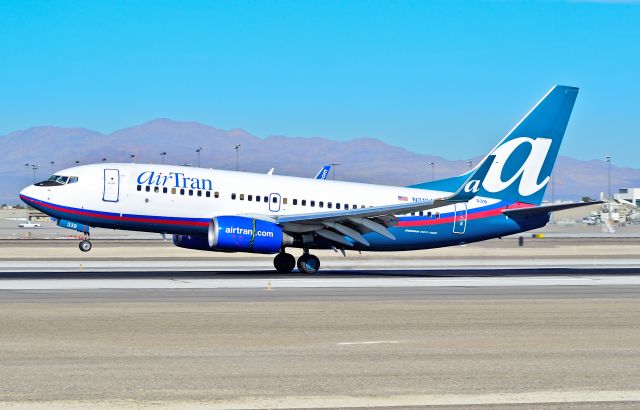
{"x":115,"y":217}
{"x":470,"y":216}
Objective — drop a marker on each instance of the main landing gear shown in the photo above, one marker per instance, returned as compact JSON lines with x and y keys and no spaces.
{"x":85,"y":244}
{"x":284,"y":262}
{"x":307,"y":263}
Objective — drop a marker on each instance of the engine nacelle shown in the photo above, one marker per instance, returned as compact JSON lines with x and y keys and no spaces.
{"x":243,"y":234}
{"x":192,"y":242}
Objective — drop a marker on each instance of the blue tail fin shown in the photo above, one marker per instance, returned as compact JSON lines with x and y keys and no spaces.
{"x":324,"y":172}
{"x":525,"y":157}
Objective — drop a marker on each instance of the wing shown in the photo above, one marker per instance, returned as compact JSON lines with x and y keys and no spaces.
{"x":352,"y":223}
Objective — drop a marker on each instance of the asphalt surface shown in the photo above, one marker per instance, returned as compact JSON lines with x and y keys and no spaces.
{"x":481,"y":335}
{"x":355,"y":347}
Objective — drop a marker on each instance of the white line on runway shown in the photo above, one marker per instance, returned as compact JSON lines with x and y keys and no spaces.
{"x":369,"y":342}
{"x":329,"y":264}
{"x":324,"y":402}
{"x":272,"y":284}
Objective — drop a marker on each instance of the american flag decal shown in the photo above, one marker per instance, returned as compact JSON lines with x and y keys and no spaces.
{"x":402,"y":198}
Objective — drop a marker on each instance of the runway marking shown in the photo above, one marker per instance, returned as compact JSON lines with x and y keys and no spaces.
{"x":324,"y":402}
{"x":368,"y":342}
{"x":328,"y":282}
{"x":351,"y":264}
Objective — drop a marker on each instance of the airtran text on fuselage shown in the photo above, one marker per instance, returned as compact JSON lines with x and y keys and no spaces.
{"x":173,"y":179}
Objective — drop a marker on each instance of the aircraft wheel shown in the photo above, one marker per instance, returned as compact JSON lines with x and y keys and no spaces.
{"x":308,"y":263}
{"x":284,"y":262}
{"x":85,"y":245}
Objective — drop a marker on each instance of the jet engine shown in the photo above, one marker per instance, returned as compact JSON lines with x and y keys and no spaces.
{"x":237,"y":234}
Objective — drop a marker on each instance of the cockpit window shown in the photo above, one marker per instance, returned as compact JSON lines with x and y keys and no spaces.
{"x":55,"y":180}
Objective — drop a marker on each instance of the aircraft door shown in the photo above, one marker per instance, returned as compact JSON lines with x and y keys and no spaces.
{"x":111,"y":191}
{"x":460,"y":218}
{"x":274,"y":202}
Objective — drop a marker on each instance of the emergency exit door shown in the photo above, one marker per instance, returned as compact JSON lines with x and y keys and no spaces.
{"x":460,"y":218}
{"x":111,"y":185}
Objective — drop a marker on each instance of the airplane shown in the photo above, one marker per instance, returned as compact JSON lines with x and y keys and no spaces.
{"x":324,"y":172}
{"x":230,"y":211}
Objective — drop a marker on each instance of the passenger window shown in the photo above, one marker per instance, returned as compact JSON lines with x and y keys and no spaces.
{"x":354,"y":206}
{"x":139,"y":188}
{"x":191,"y":192}
{"x":207,"y":194}
{"x":249,"y":197}
{"x":274,"y":199}
{"x":199,"y":192}
{"x":266,"y":199}
{"x":216,"y":194}
{"x":233,"y":196}
{"x":321,"y":204}
{"x":181,"y":191}
{"x":362,"y":206}
{"x":312,"y":203}
{"x":338,"y":205}
{"x":173,"y":191}
{"x":284,"y":201}
{"x":147,"y":188}
{"x":242,"y":197}
{"x":329,"y":205}
{"x":303,"y":202}
{"x":164,"y":190}
{"x":156,"y":189}
{"x":437,"y":215}
{"x":295,"y":201}
{"x":420,"y":213}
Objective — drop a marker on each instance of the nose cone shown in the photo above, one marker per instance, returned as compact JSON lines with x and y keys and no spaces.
{"x":27,"y":194}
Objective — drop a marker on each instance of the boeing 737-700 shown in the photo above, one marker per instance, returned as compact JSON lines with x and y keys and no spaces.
{"x":227,"y":211}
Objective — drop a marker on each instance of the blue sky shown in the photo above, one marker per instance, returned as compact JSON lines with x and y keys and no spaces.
{"x":443,"y":77}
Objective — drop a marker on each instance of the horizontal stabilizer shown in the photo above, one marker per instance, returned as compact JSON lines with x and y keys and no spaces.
{"x":544,"y":209}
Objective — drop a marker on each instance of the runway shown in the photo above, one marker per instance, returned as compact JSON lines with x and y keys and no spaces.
{"x":366,"y":332}
{"x":320,"y":347}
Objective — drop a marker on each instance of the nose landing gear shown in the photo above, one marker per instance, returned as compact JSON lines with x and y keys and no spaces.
{"x":85,"y":244}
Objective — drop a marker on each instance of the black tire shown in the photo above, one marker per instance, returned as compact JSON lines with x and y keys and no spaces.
{"x":308,"y":263}
{"x":284,"y":262}
{"x":85,"y":245}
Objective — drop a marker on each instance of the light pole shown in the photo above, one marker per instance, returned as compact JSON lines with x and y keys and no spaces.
{"x":470,"y":163}
{"x":132,"y":156}
{"x":198,"y":152}
{"x":26,"y":172}
{"x":237,"y":148}
{"x":334,"y":166}
{"x":104,"y":160}
{"x":608,"y":161}
{"x":34,"y":167}
{"x":433,"y":170}
{"x":52,"y":167}
{"x":162,"y":155}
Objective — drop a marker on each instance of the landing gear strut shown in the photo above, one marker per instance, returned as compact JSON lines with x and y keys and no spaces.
{"x":308,"y":263}
{"x":85,"y":244}
{"x":284,"y":262}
